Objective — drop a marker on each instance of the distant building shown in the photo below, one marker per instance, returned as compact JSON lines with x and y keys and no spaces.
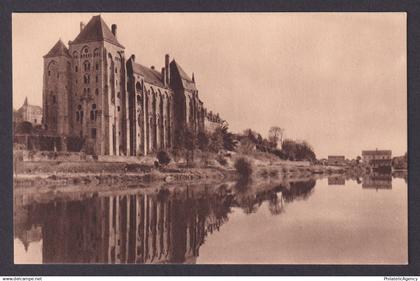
{"x":377,"y":158}
{"x":29,"y":113}
{"x":336,"y":160}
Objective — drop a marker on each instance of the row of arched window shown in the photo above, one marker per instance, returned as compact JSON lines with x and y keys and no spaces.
{"x":86,"y":54}
{"x":93,"y":113}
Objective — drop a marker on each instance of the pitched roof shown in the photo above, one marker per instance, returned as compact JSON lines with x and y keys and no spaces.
{"x":58,"y":50}
{"x":376,"y":152}
{"x":150,"y":76}
{"x":96,"y":30}
{"x":182,"y":72}
{"x":30,"y":106}
{"x":187,"y":82}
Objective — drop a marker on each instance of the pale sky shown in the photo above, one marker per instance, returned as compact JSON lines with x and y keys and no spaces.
{"x":336,"y":80}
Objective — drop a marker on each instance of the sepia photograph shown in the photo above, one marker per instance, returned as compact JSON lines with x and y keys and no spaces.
{"x":210,"y":138}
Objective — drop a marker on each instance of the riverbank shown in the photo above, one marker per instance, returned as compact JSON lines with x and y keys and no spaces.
{"x":58,"y":173}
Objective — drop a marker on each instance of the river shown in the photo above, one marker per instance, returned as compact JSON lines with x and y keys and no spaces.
{"x":302,"y":221}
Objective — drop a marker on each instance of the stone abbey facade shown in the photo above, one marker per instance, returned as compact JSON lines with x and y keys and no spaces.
{"x":120,"y":107}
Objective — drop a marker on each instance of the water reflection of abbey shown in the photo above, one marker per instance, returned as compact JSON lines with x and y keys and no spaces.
{"x":124,"y":228}
{"x":147,"y":227}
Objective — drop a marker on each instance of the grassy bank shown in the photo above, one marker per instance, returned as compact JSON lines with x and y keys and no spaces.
{"x":209,"y":167}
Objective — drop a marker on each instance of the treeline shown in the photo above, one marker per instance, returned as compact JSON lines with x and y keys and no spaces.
{"x":400,"y":162}
{"x":287,"y":149}
{"x":189,"y":140}
{"x":222,"y":139}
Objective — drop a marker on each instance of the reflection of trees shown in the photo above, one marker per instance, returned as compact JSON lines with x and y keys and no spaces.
{"x":248,"y":203}
{"x":243,"y":184}
{"x":249,"y":199}
{"x":401,"y":175}
{"x":275,"y":204}
{"x":299,"y":190}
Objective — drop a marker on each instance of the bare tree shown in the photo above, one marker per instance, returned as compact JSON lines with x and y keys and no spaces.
{"x":275,"y":135}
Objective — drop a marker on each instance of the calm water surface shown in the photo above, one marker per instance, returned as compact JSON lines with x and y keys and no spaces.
{"x":330,"y":220}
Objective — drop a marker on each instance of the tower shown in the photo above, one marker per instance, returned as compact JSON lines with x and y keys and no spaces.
{"x":56,"y":89}
{"x":99,"y":101}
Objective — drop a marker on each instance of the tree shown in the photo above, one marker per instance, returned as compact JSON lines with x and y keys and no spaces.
{"x":216,"y":141}
{"x":189,"y":144}
{"x":294,"y":150}
{"x":243,"y":167}
{"x":229,"y":142}
{"x":203,"y":141}
{"x":289,"y":149}
{"x":24,"y":127}
{"x":275,"y":135}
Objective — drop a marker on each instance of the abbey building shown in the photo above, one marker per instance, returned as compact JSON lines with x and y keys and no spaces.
{"x":118,"y":106}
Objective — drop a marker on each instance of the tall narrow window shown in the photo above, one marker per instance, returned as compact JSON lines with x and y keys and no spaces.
{"x":79,"y":114}
{"x":94,"y":133}
{"x":86,"y":65}
{"x":93,"y":112}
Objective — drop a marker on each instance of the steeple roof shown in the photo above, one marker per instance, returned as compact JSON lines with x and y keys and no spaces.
{"x":58,"y":50}
{"x":96,"y":30}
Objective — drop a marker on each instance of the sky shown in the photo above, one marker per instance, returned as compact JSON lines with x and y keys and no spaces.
{"x":336,"y":80}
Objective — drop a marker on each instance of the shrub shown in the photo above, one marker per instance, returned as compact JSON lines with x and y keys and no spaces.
{"x":163,"y":158}
{"x":222,"y":161}
{"x":243,"y":167}
{"x":264,"y":173}
{"x":274,"y":173}
{"x":24,"y":127}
